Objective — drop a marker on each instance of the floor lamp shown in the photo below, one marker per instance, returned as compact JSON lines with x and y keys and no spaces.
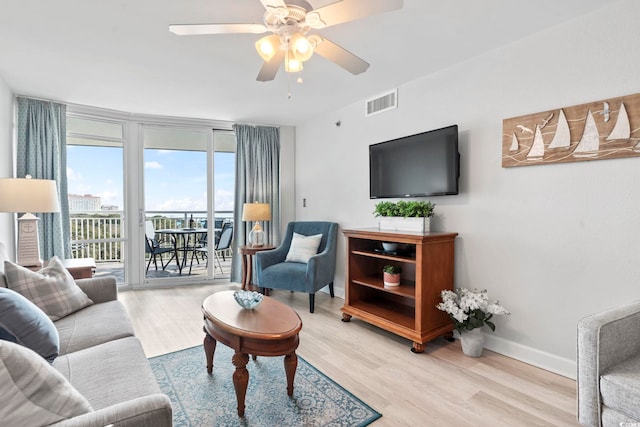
{"x":256,"y":212}
{"x":28,"y":195}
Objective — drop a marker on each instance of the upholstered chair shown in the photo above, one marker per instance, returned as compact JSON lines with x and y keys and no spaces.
{"x":305,"y":261}
{"x":609,"y":367}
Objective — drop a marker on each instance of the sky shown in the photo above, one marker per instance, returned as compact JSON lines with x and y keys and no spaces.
{"x":174,"y":180}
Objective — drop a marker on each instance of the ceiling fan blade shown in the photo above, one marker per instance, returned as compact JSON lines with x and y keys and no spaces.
{"x":341,"y":56}
{"x":200,"y":29}
{"x":276,"y":7}
{"x":350,"y":10}
{"x":268,"y":4}
{"x":270,"y":68}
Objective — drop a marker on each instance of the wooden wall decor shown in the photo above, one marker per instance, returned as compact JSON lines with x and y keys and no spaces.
{"x":599,"y":130}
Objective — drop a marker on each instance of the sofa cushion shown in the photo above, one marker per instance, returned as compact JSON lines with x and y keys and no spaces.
{"x":34,"y":393}
{"x":303,"y":247}
{"x":109,"y":373}
{"x":29,"y":325}
{"x":52,"y":288}
{"x":620,"y":387}
{"x":93,"y":325}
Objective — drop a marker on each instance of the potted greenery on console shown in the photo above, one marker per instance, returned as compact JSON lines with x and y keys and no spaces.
{"x":405,"y":215}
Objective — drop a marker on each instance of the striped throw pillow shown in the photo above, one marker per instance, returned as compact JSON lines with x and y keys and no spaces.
{"x":33,"y":392}
{"x":52,"y":288}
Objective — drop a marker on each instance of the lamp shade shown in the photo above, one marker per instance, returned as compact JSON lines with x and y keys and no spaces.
{"x":256,"y":212}
{"x":301,"y":47}
{"x":268,"y":46}
{"x":291,"y":64}
{"x":28,"y":195}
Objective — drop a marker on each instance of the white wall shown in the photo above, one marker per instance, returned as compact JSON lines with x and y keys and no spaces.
{"x":553,"y":243}
{"x":6,"y":161}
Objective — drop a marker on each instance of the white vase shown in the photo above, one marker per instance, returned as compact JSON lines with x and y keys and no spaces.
{"x":472,"y":342}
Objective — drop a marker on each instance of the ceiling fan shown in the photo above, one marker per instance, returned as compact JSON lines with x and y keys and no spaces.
{"x":290,"y":22}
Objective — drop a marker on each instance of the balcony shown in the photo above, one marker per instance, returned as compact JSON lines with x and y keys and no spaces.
{"x":98,"y":235}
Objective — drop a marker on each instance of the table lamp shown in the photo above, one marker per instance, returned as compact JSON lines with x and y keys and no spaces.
{"x":256,"y":212}
{"x":28,"y":195}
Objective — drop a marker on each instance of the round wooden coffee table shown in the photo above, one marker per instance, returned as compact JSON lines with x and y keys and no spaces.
{"x":270,"y":329}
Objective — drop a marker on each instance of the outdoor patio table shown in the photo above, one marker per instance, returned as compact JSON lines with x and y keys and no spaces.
{"x":180,"y":237}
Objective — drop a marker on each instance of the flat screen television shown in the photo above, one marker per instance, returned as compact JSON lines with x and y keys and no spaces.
{"x":420,"y":165}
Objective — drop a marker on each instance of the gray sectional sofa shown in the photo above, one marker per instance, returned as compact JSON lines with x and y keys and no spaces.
{"x":609,"y":367}
{"x":103,"y":360}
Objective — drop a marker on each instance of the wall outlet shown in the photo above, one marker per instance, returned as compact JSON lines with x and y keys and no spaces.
{"x":304,"y":203}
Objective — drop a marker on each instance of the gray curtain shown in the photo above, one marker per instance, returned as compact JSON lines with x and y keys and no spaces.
{"x":257,"y":180}
{"x":42,"y":153}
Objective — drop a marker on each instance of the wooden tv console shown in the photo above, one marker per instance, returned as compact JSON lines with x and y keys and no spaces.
{"x":408,"y":310}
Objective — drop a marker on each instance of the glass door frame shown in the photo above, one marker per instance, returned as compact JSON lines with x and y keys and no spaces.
{"x":89,"y":136}
{"x":207,"y":132}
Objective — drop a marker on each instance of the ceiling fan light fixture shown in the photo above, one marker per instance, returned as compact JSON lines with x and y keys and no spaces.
{"x":291,"y":64}
{"x":301,"y":47}
{"x":268,"y":46}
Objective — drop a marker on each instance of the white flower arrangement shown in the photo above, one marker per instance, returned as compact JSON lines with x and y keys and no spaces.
{"x":470,"y":309}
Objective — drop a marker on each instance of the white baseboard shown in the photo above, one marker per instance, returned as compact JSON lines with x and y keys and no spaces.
{"x":532,"y":356}
{"x":541,"y":359}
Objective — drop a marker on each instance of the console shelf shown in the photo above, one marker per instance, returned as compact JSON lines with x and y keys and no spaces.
{"x":407,"y":310}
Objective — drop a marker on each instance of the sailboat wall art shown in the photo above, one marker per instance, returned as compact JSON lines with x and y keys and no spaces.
{"x":607,"y":129}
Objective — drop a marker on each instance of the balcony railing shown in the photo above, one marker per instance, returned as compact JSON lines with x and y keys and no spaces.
{"x":98,"y":235}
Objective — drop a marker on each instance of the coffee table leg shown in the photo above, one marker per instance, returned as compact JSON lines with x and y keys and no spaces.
{"x":209,"y":349}
{"x":240,"y":379}
{"x":290,"y":365}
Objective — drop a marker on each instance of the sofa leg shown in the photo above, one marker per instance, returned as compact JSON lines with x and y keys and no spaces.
{"x":331,"y":289}
{"x":312,"y":302}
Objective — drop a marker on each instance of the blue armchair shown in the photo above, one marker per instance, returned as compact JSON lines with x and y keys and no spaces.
{"x":273,"y":272}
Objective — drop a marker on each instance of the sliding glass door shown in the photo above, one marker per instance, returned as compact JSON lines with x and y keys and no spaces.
{"x":182,"y":215}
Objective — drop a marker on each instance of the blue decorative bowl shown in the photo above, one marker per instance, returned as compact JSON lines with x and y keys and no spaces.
{"x":248,"y":299}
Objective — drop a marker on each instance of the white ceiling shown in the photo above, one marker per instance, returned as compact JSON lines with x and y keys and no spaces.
{"x":119,"y":54}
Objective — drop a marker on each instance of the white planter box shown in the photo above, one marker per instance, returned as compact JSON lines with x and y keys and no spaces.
{"x":398,"y":223}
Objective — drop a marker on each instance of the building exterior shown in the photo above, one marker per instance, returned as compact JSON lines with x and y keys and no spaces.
{"x":87,"y":202}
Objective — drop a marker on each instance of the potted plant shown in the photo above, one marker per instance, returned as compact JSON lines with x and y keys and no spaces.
{"x":470,"y":311}
{"x":391,"y":275}
{"x":405,"y":215}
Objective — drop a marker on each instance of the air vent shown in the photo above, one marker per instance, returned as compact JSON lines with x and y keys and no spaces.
{"x":382,"y":103}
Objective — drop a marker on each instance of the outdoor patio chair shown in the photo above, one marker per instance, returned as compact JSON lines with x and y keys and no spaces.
{"x":155,"y":249}
{"x":223,"y":244}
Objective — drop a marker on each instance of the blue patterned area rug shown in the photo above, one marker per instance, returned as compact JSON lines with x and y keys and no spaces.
{"x":200,"y":399}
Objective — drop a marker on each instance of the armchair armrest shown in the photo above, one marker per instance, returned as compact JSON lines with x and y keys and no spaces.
{"x":99,"y":289}
{"x":604,"y":339}
{"x":321,"y":269}
{"x":153,"y":410}
{"x":268,"y":258}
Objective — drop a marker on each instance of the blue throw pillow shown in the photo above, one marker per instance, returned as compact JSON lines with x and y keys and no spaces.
{"x":5,"y":335}
{"x":30,"y":326}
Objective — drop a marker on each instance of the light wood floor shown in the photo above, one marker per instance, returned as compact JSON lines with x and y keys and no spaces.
{"x":440,"y":387}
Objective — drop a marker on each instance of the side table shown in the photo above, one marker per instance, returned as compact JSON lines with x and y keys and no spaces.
{"x":79,"y":268}
{"x":247,"y":252}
